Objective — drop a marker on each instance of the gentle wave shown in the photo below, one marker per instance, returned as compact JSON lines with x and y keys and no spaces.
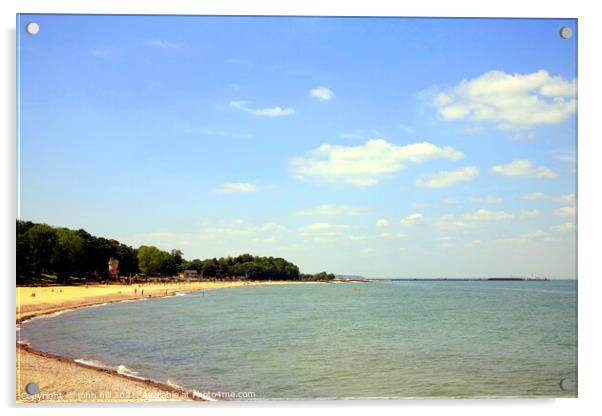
{"x":93,"y":363}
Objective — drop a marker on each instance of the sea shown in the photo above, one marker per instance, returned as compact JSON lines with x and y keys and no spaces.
{"x":376,"y":340}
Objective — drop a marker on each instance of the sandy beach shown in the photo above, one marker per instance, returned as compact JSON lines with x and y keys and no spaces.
{"x":61,"y":379}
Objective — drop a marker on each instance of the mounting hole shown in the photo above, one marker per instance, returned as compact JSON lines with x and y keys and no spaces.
{"x":32,"y":28}
{"x":32,"y":388}
{"x":566,"y":384}
{"x":566,"y":32}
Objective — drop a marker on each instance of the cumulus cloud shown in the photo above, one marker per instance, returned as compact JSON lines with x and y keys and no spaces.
{"x":566,"y":227}
{"x":264,"y":112}
{"x":524,"y":167}
{"x":411,"y":219}
{"x":568,"y":211}
{"x":485,"y":215}
{"x":566,"y":199}
{"x":321,"y":94}
{"x":231,"y":233}
{"x":367,"y":164}
{"x":447,"y":178}
{"x":390,"y":236}
{"x":534,"y":196}
{"x":487,"y":200}
{"x":223,"y":229}
{"x":382,"y":223}
{"x":236,"y":187}
{"x":331,"y":210}
{"x":450,"y":222}
{"x":510,"y":101}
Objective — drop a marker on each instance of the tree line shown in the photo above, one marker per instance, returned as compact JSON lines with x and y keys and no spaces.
{"x":65,"y":254}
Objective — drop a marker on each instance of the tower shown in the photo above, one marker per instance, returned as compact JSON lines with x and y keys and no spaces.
{"x":113,"y":268}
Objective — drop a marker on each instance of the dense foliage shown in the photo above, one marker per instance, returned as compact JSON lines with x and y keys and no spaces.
{"x":43,"y":250}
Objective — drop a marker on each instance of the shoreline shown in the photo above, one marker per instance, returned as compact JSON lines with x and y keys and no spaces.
{"x":146,"y":389}
{"x":152,"y":391}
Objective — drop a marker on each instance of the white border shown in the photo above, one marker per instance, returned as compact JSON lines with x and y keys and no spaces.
{"x":590,"y":23}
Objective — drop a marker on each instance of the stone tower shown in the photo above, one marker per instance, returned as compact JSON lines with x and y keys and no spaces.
{"x":113,"y":268}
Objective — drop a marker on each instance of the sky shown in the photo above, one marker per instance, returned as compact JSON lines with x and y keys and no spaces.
{"x":381,"y":147}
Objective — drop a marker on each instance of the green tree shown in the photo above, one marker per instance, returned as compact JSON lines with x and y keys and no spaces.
{"x":155,"y":262}
{"x":41,"y":249}
{"x":69,"y":250}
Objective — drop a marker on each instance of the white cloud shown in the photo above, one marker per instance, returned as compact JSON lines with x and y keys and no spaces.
{"x":447,"y":178}
{"x":324,"y":231}
{"x":165,"y":44}
{"x":535,"y":196}
{"x":487,"y":200}
{"x":264,"y":112}
{"x":367,"y":164}
{"x":566,"y":227}
{"x":449,"y":222}
{"x":566,"y":211}
{"x":527,"y":237}
{"x":223,"y":229}
{"x":485,"y":215}
{"x":510,"y":101}
{"x":331,"y":210}
{"x":209,"y":234}
{"x":236,"y":187}
{"x":530,"y":214}
{"x":382,"y":223}
{"x":321,"y":93}
{"x":565,"y":199}
{"x":411,"y":219}
{"x":270,"y":227}
{"x":390,"y":236}
{"x":524,"y":167}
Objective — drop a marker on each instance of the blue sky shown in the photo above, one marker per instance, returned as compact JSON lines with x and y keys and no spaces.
{"x":381,"y":147}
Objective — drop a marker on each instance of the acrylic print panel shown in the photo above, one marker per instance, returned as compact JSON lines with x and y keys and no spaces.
{"x":386,"y":205}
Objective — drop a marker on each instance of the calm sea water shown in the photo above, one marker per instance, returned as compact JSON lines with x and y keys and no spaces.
{"x":373,"y":340}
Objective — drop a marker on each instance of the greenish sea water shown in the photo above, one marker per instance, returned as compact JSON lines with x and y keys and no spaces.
{"x":365,"y":340}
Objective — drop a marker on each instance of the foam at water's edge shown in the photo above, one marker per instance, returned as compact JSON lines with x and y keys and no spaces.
{"x":93,"y":363}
